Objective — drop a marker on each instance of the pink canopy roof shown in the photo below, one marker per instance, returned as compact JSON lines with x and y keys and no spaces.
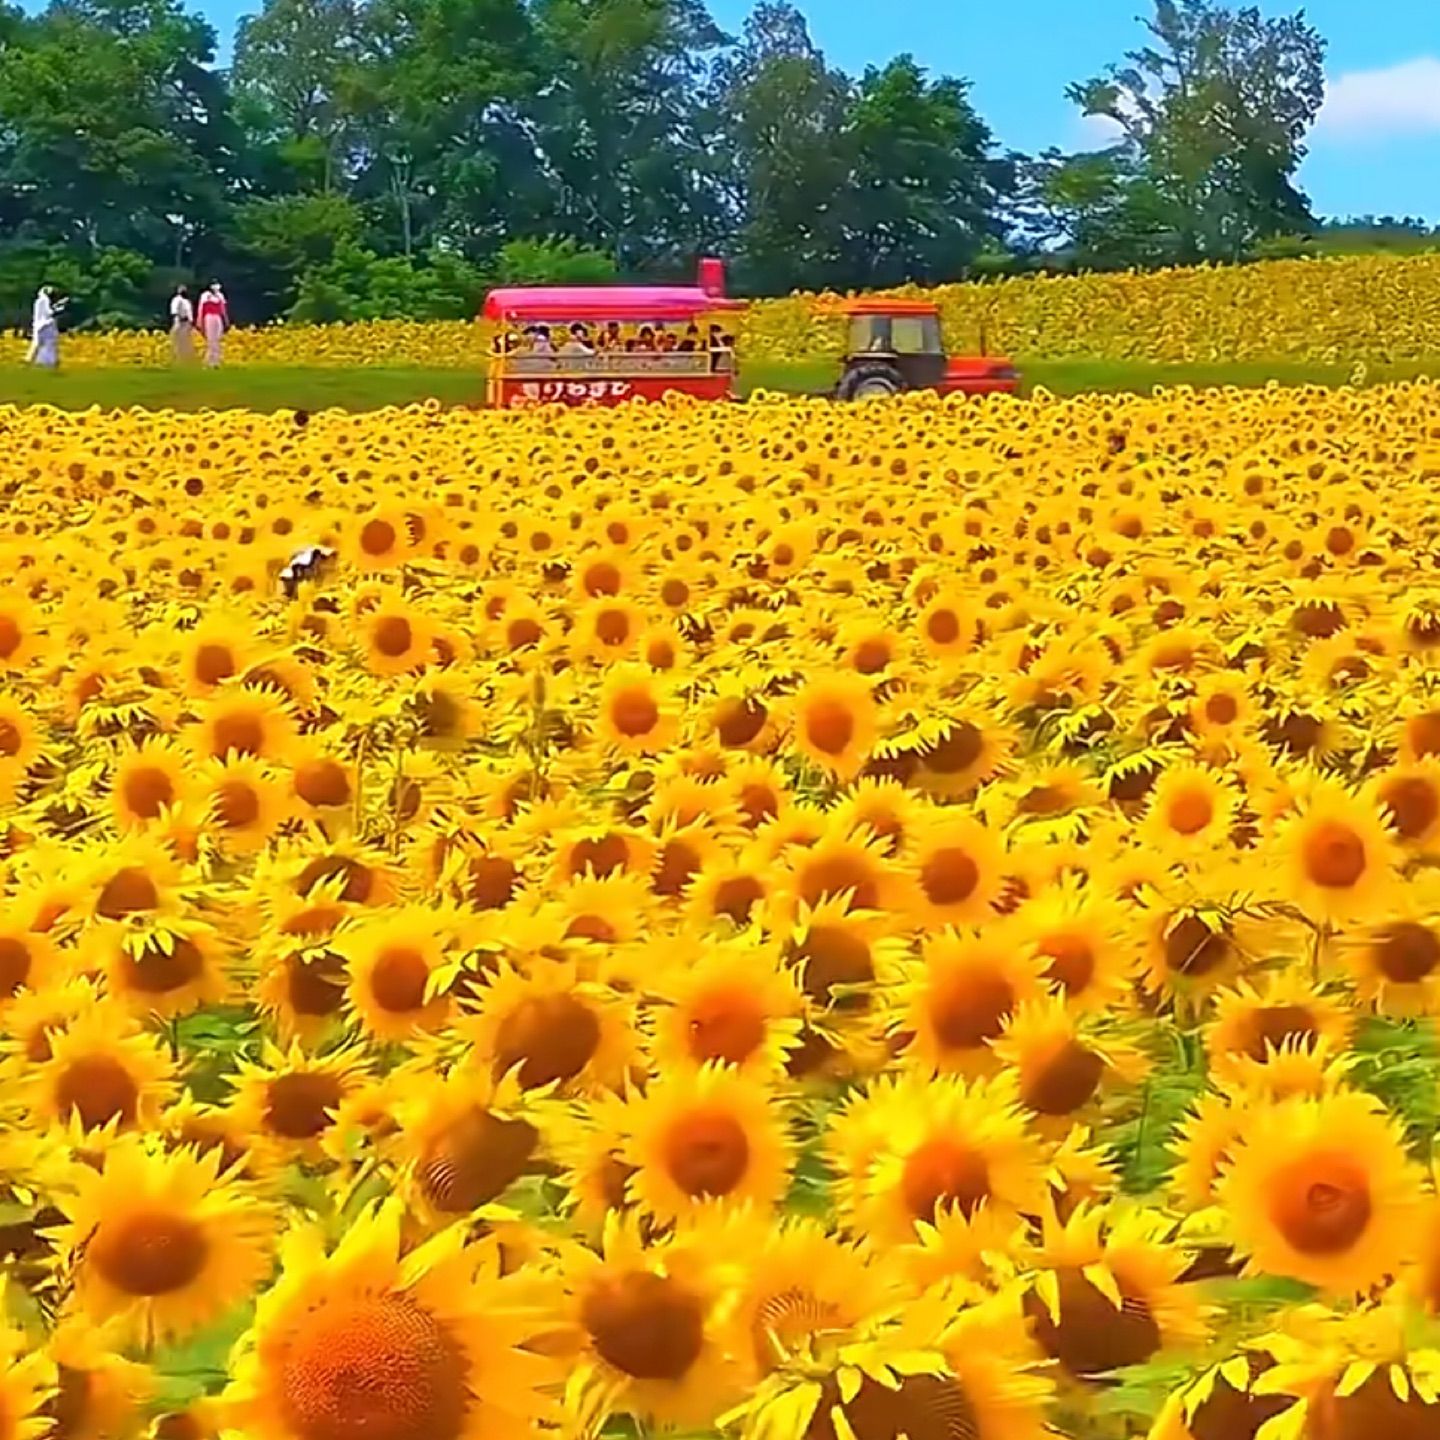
{"x":560,"y":303}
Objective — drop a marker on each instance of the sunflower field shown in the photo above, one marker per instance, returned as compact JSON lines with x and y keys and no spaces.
{"x":1376,"y":308}
{"x":782,"y":921}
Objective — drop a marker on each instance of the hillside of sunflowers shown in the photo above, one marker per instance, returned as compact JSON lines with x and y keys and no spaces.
{"x":1366,"y":308}
{"x":777,"y":921}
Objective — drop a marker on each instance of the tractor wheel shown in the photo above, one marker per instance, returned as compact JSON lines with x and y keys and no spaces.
{"x":872,"y":380}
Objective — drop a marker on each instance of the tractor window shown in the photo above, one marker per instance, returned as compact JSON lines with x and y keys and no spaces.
{"x":916,"y":334}
{"x":869,"y":334}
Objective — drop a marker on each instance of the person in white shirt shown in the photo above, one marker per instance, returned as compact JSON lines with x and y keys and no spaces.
{"x":182,"y":326}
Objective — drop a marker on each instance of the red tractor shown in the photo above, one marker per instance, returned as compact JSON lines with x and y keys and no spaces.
{"x":897,"y":345}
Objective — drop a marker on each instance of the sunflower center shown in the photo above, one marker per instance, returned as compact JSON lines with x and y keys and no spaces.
{"x":322,"y":783}
{"x":833,"y":958}
{"x":99,"y":1089}
{"x":393,"y":636}
{"x":1192,"y":948}
{"x":958,"y":751}
{"x":829,"y":726}
{"x":738,"y":722}
{"x":315,"y":984}
{"x":1231,"y":1414}
{"x":591,"y":927}
{"x":9,"y":738}
{"x":153,"y":972}
{"x":522,"y":632}
{"x":837,"y":875}
{"x":941,"y":1174}
{"x":871,"y":656}
{"x":921,"y":1407}
{"x":1321,"y":1204}
{"x":127,"y":892}
{"x":1333,"y":856}
{"x":1092,"y":1336}
{"x":1190,"y":812}
{"x":1222,"y":709}
{"x":399,"y":979}
{"x":237,"y":805}
{"x":633,"y":712}
{"x":178,"y":1425}
{"x":491,"y":881}
{"x":603,"y":856}
{"x":758,"y":803}
{"x":1375,"y":1409}
{"x":602,"y":578}
{"x":10,"y":637}
{"x":970,"y":1008}
{"x":726,"y":1025}
{"x":377,"y":537}
{"x":943,"y":626}
{"x":375,"y":1369}
{"x":707,"y":1153}
{"x":679,"y":861}
{"x":612,"y":627}
{"x":1407,"y":952}
{"x":474,"y":1160}
{"x":649,"y":1327}
{"x":146,"y":791}
{"x":1065,"y":1082}
{"x":1072,"y":962}
{"x":150,"y":1253}
{"x":551,"y":1037}
{"x":213,"y":663}
{"x":298,"y":1106}
{"x":240,"y":731}
{"x":949,"y":876}
{"x":14,"y":965}
{"x":1275,"y":1024}
{"x":1413,"y":805}
{"x":737,"y":896}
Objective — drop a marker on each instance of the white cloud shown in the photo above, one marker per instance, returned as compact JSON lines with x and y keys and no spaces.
{"x":1099,"y":132}
{"x":1401,"y":99}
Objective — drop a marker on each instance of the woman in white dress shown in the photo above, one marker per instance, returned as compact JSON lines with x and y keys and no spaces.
{"x":182,"y":326}
{"x":45,"y":329}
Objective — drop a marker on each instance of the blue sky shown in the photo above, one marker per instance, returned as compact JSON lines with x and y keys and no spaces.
{"x":1376,"y":149}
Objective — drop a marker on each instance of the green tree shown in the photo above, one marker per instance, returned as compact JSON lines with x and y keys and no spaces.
{"x":924,"y":188}
{"x":1215,"y":110}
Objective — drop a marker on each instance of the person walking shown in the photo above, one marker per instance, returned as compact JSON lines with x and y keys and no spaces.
{"x":45,"y":329}
{"x":213,"y":317}
{"x":182,"y":326}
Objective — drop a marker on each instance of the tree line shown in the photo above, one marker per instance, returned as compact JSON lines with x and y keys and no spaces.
{"x":374,"y":158}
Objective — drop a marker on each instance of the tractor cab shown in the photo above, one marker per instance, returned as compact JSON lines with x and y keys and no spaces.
{"x":898,"y":345}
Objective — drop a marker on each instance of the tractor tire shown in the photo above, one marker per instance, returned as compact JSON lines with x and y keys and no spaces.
{"x":870,"y":380}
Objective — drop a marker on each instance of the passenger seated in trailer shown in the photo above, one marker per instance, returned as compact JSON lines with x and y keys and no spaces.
{"x":578,"y":341}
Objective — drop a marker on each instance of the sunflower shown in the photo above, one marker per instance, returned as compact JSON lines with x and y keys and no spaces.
{"x":166,"y":970}
{"x":160,"y":1244}
{"x":971,"y":749}
{"x":957,"y":998}
{"x":321,"y":784}
{"x":148,"y":780}
{"x":649,"y":1325}
{"x":446,"y":711}
{"x":609,"y":911}
{"x":957,"y":865}
{"x":680,"y":855}
{"x":301,"y":980}
{"x":1108,"y":1293}
{"x":842,"y":866}
{"x":603,"y":852}
{"x":1059,"y":1066}
{"x":1394,"y":958}
{"x":290,"y":1098}
{"x":1320,"y":1190}
{"x":100,"y":1395}
{"x":732,"y":889}
{"x":551,"y":1026}
{"x":28,"y":961}
{"x":102,"y":1070}
{"x":710,"y":1134}
{"x":1086,"y":941}
{"x":395,"y":638}
{"x":1337,"y":856}
{"x":1251,"y":1024}
{"x":429,"y":1345}
{"x":380,"y":540}
{"x":29,"y":1386}
{"x":20,"y":742}
{"x":947,"y":627}
{"x":391,"y":960}
{"x":586,"y":1141}
{"x":246,"y":802}
{"x":252,"y":724}
{"x":463,"y":1141}
{"x":1190,"y":812}
{"x":730,"y":1002}
{"x":835,"y":724}
{"x":218,"y":649}
{"x":22,"y":633}
{"x":908,"y":1152}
